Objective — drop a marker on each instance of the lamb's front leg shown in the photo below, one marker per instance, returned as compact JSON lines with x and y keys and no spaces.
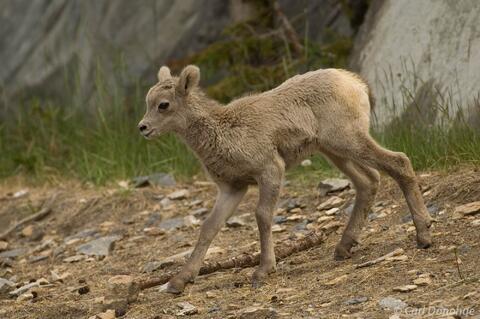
{"x":227,"y":201}
{"x":269,"y":190}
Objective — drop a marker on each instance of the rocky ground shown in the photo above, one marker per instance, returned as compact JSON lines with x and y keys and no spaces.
{"x":91,"y":241}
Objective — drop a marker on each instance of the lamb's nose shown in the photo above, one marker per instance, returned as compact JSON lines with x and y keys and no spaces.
{"x":142,"y":127}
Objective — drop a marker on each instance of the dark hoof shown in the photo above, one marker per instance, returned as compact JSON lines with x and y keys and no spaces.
{"x":424,"y":241}
{"x":175,"y":286}
{"x":342,"y":253}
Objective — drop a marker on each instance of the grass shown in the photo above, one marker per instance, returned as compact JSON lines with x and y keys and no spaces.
{"x":46,"y":140}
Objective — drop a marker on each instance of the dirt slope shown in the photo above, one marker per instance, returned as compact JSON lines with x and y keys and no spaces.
{"x":309,"y":284}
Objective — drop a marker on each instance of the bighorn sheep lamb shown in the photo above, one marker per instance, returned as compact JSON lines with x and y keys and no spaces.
{"x":254,"y":139}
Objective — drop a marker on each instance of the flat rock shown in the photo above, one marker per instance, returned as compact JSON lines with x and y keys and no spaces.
{"x":406,"y":288}
{"x":279,"y":219}
{"x":26,"y":296}
{"x":356,"y":301}
{"x":157,"y":179}
{"x":468,"y":209}
{"x":3,"y":245}
{"x":334,"y":224}
{"x":423,"y":281}
{"x":172,"y":223}
{"x":332,"y":211}
{"x":278,"y":228}
{"x":331,"y":185}
{"x":6,"y":285}
{"x":200,"y":212}
{"x":290,"y":203}
{"x":186,"y":309}
{"x":235,"y":221}
{"x":331,"y":202}
{"x":13,"y":253}
{"x":98,"y":247}
{"x":178,"y":195}
{"x":86,"y":233}
{"x":476,"y":222}
{"x":257,"y":312}
{"x":392,"y":304}
{"x":109,"y":314}
{"x":190,"y":220}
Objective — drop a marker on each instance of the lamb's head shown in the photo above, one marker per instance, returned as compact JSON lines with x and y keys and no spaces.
{"x":167,"y":102}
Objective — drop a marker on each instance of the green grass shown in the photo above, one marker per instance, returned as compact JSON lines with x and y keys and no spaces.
{"x":46,"y":139}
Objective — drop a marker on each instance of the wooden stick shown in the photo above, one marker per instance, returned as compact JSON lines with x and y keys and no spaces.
{"x":396,"y":252}
{"x":245,"y":260}
{"x":44,"y":211}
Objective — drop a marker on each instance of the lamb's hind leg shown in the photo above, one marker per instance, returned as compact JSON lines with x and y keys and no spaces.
{"x":227,"y":201}
{"x":269,"y":184}
{"x":362,"y":149}
{"x":365,"y":180}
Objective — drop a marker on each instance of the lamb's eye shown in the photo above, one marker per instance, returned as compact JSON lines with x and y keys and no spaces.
{"x":163,"y":105}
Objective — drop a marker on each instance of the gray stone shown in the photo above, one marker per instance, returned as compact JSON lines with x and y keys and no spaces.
{"x":301,"y":226}
{"x":392,"y":304}
{"x":407,"y":218}
{"x":200,"y":212}
{"x":152,"y":219}
{"x":235,"y":222}
{"x":433,"y":209}
{"x":180,"y":194}
{"x":258,"y":312}
{"x":290,"y":203}
{"x":186,"y":309}
{"x":172,"y":223}
{"x":331,"y":185}
{"x":86,"y":233}
{"x":6,"y":285}
{"x":279,"y":219}
{"x":157,"y":179}
{"x":98,"y":247}
{"x":356,"y":300}
{"x":13,"y":253}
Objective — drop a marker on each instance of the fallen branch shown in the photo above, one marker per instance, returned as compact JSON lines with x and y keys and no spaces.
{"x":245,"y":260}
{"x":396,"y":252}
{"x":42,"y":213}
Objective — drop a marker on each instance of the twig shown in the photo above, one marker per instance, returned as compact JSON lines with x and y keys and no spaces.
{"x":396,"y":252}
{"x":289,"y":30}
{"x":244,"y":260}
{"x":458,"y":264}
{"x":44,"y":211}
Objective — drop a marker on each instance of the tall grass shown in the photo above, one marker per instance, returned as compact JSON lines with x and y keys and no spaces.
{"x":45,"y":139}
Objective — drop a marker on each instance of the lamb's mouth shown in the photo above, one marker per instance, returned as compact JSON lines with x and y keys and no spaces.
{"x":148,"y":134}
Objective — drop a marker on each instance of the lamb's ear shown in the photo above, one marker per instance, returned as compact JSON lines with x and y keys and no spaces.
{"x":189,"y":79}
{"x":163,"y":73}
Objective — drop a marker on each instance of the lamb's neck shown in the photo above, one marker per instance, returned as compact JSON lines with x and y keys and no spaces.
{"x":203,"y":129}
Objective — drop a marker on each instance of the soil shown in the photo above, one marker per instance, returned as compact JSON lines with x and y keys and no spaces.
{"x":309,"y":284}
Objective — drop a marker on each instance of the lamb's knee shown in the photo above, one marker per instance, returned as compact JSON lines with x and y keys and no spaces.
{"x":402,"y":169}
